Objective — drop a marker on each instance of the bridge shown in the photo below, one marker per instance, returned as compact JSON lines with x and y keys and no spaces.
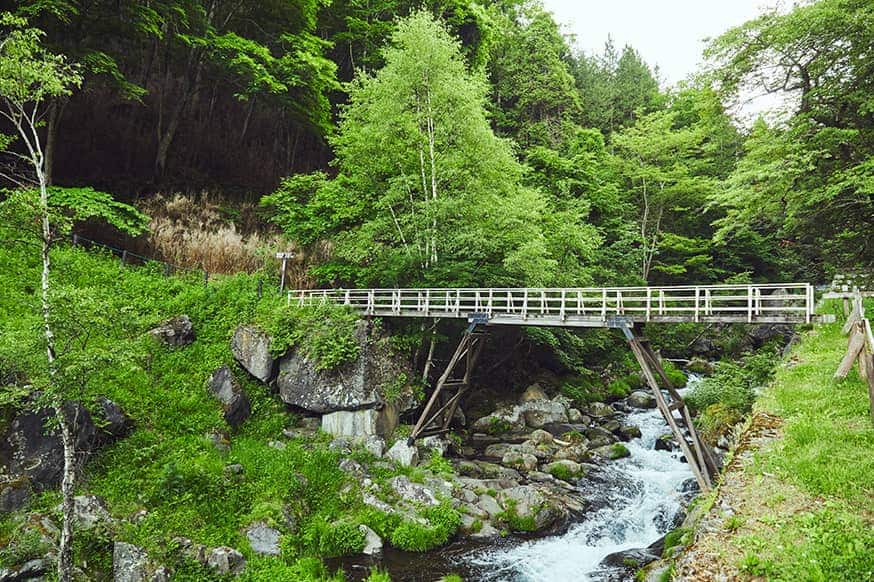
{"x":584,"y":307}
{"x":578,"y":307}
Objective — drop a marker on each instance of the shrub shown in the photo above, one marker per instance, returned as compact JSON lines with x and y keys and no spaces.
{"x":674,"y":374}
{"x":443,"y":522}
{"x":331,"y":540}
{"x":618,"y":388}
{"x":324,"y":332}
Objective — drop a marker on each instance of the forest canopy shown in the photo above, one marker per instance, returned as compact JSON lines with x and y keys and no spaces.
{"x":459,"y":143}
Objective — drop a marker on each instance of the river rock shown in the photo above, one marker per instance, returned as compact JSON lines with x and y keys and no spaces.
{"x":575,"y":416}
{"x":251,"y":348}
{"x":413,"y":492}
{"x":235,"y":402}
{"x":538,"y":413}
{"x":628,"y":432}
{"x":403,"y":454}
{"x":576,"y":452}
{"x":541,"y":437}
{"x":486,"y":532}
{"x":533,"y":392}
{"x":527,"y":502}
{"x":176,"y":332}
{"x":263,"y":539}
{"x":600,"y":410}
{"x":666,"y":442}
{"x":224,"y":561}
{"x":359,"y":424}
{"x":521,"y":461}
{"x":564,"y":469}
{"x":32,"y":455}
{"x":489,"y":504}
{"x":501,"y":421}
{"x":356,"y":385}
{"x":372,"y":541}
{"x":641,"y":399}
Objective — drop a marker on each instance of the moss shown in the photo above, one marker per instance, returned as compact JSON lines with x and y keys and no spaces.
{"x":618,"y":451}
{"x":515,"y":522}
{"x":563,"y":472}
{"x":680,"y":536}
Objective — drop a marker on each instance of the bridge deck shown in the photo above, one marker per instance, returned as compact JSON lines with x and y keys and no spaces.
{"x":583,"y":307}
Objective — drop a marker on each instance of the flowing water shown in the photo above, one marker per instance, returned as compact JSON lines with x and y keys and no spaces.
{"x":645,"y":498}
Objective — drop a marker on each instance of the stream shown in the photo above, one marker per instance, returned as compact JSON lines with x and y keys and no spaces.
{"x":647,"y":492}
{"x":633,"y":502}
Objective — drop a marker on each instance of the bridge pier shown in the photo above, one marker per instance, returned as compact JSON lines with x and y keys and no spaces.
{"x":697,"y":454}
{"x":438,"y":412}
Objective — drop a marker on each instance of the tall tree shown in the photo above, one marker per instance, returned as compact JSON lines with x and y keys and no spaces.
{"x":425,"y":192}
{"x":815,"y":170}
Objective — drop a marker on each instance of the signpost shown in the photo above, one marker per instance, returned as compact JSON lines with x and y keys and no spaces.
{"x":284,"y":257}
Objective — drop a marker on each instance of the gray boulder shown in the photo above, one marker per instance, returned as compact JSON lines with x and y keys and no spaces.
{"x":235,"y":402}
{"x":30,"y":570}
{"x":89,"y":511}
{"x":32,"y":455}
{"x":503,"y":420}
{"x":403,"y":454}
{"x":538,"y":413}
{"x":359,"y":384}
{"x":521,"y":461}
{"x":372,"y":542}
{"x":251,"y":348}
{"x":129,"y":563}
{"x":533,"y":392}
{"x":600,"y":410}
{"x":263,"y":539}
{"x":226,"y":561}
{"x":641,"y":399}
{"x":413,"y":492}
{"x":528,"y":502}
{"x":375,"y":445}
{"x":175,"y":332}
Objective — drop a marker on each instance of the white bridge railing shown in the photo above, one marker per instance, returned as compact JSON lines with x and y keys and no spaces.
{"x":583,"y":307}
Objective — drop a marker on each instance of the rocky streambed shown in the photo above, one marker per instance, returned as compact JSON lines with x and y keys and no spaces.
{"x":584,"y":500}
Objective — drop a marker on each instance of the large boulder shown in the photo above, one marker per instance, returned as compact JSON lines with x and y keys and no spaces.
{"x":529,"y":504}
{"x":533,"y":392}
{"x":251,"y":348}
{"x":225,"y":388}
{"x":373,"y":380}
{"x":641,"y":399}
{"x":32,"y":455}
{"x":89,"y":511}
{"x":175,"y":332}
{"x":538,"y":413}
{"x":359,"y":424}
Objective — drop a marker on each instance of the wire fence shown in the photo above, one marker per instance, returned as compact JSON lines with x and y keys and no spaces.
{"x":169,"y":269}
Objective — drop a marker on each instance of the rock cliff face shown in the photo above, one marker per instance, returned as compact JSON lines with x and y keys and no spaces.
{"x":377,"y":376}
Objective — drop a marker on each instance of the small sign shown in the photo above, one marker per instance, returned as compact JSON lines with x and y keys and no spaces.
{"x":284,"y":255}
{"x":478,"y":317}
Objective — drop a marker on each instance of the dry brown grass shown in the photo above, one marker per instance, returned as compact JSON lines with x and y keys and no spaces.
{"x":208,"y":233}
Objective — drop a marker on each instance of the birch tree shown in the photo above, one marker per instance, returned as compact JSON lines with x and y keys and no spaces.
{"x":425,"y":193}
{"x":29,"y":78}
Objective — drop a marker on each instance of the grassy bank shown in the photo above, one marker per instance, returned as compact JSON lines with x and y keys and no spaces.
{"x":167,"y":478}
{"x":800,"y":504}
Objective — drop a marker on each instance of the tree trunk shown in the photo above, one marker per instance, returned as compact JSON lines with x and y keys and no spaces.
{"x":68,"y":481}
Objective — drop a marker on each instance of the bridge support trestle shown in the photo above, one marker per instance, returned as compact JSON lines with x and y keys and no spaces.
{"x":696,"y":452}
{"x":451,"y":386}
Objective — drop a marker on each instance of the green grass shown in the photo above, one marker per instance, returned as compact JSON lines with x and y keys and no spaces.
{"x":815,"y":520}
{"x":167,"y":466}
